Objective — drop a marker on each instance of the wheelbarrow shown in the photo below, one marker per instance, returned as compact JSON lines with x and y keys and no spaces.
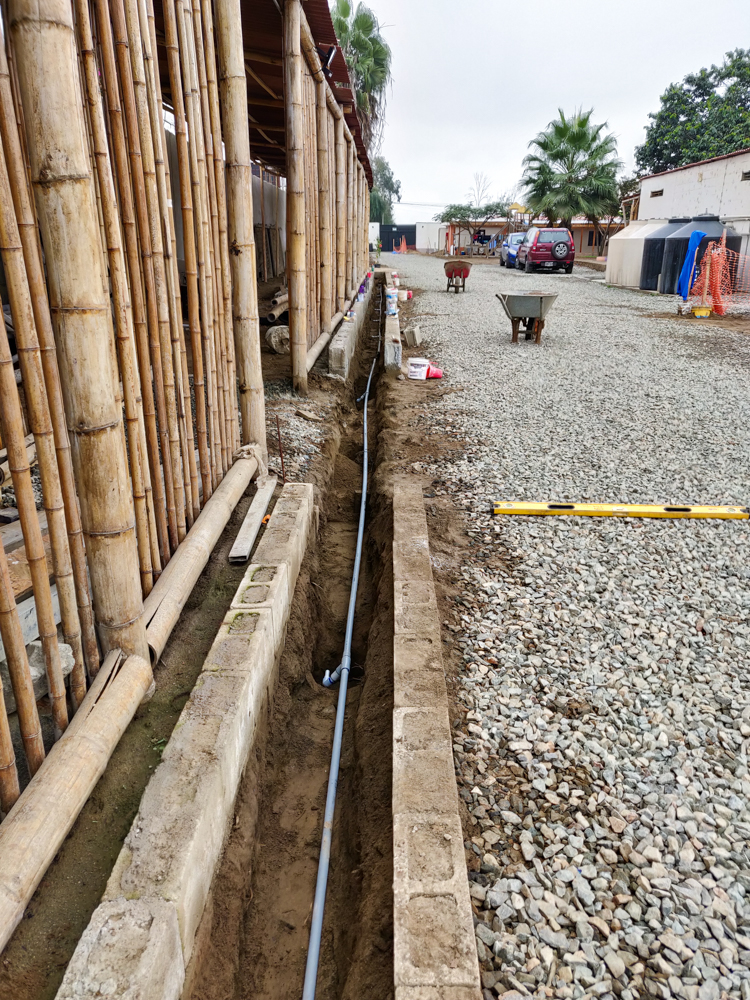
{"x":456,"y":271}
{"x":529,"y":308}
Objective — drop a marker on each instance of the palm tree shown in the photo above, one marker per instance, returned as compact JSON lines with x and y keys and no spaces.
{"x":573,"y":170}
{"x":369,"y":60}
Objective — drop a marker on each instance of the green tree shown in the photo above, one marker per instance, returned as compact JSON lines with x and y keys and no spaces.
{"x":385,"y":190}
{"x":475,"y":214}
{"x":368,"y":57}
{"x":572,"y":170}
{"x":706,"y":115}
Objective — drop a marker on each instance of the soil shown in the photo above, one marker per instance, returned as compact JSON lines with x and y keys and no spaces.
{"x":253,"y":941}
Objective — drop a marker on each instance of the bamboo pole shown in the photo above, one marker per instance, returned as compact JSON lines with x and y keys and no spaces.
{"x":149,"y":354}
{"x":351,"y":273}
{"x":191,"y":266}
{"x":28,"y":229}
{"x":295,"y":196}
{"x":150,"y":126}
{"x":149,"y":435}
{"x":9,"y":787}
{"x":263,"y":225}
{"x":221,"y":198}
{"x":12,"y":423}
{"x":340,"y":215}
{"x":120,"y":293}
{"x":240,"y":234}
{"x":32,"y":834}
{"x":37,"y":404}
{"x":20,"y":672}
{"x":44,"y":41}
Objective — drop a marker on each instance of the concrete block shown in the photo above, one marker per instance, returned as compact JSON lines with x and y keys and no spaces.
{"x":393,"y":353}
{"x":421,"y":679}
{"x":265,"y":587}
{"x":38,"y":671}
{"x":413,"y":336}
{"x":130,"y":950}
{"x":344,"y":342}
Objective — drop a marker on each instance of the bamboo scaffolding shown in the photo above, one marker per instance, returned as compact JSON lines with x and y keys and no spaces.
{"x":120,"y":292}
{"x":340,"y":215}
{"x":191,"y":266}
{"x":9,"y":787}
{"x":28,"y":229}
{"x":295,"y":196}
{"x":151,"y":127}
{"x":37,"y":405}
{"x":246,"y":327}
{"x":43,"y":38}
{"x":149,"y":353}
{"x":149,"y":435}
{"x":20,"y":672}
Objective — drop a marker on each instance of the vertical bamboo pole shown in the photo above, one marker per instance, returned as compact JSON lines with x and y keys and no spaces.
{"x":221,"y":199}
{"x":10,"y":790}
{"x":151,"y":126}
{"x":148,"y":433}
{"x":233,"y":89}
{"x":360,"y":221}
{"x":340,"y":145}
{"x":28,"y":229}
{"x":13,"y":432}
{"x":324,"y":207}
{"x":120,"y":293}
{"x":43,"y":38}
{"x":295,"y":195}
{"x":263,"y":224}
{"x":20,"y":672}
{"x":351,"y":224}
{"x":149,"y":354}
{"x":188,"y":223}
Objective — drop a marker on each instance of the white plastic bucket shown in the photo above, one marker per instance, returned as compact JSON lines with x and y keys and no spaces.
{"x":402,"y":296}
{"x":418,"y":368}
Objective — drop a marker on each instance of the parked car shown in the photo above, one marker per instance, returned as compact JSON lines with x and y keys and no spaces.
{"x":512,"y":240}
{"x":546,"y":249}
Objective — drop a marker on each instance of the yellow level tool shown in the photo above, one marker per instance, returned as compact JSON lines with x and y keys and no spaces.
{"x":620,"y":510}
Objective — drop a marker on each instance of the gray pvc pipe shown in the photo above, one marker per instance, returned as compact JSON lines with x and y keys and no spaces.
{"x":341,"y":673}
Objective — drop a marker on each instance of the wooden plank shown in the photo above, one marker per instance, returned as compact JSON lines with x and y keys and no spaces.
{"x":11,"y":535}
{"x":20,"y":572}
{"x":243,"y":543}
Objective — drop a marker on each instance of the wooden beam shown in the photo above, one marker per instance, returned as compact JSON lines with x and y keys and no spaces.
{"x":263,"y":57}
{"x":263,"y":84}
{"x":264,"y":102}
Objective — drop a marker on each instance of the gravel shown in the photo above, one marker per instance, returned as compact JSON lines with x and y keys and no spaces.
{"x":603,"y":708}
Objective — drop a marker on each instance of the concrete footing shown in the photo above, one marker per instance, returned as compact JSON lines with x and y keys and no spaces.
{"x":140,"y":939}
{"x":345,"y":340}
{"x":435,"y":955}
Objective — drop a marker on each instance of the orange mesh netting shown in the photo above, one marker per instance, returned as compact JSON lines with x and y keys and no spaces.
{"x":722,"y":281}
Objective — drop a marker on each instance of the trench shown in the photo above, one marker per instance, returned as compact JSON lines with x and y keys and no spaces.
{"x":252,"y":944}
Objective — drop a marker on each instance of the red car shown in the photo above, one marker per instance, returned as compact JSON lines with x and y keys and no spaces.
{"x":546,"y":249}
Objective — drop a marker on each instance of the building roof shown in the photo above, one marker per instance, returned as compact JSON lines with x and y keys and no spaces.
{"x":698,"y":163}
{"x":262,"y":43}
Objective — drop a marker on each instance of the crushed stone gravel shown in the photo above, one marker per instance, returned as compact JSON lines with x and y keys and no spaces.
{"x":603,"y":713}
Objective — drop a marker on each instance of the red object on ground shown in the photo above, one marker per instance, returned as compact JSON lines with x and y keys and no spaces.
{"x":433,"y":372}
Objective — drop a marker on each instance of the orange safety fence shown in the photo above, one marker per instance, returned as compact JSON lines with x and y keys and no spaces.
{"x":722,"y":280}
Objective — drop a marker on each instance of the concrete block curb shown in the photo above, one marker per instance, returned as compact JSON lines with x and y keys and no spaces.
{"x":145,"y":928}
{"x":435,"y":955}
{"x":344,"y":342}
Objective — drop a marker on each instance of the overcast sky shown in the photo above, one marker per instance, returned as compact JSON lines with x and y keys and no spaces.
{"x":475,"y":80}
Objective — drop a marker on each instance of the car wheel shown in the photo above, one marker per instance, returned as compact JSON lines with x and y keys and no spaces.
{"x":568,"y":269}
{"x":560,"y":250}
{"x":519,"y":265}
{"x":502,"y":262}
{"x":528,"y":267}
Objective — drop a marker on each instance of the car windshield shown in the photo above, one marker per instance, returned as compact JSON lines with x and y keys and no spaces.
{"x":517,"y":238}
{"x":554,"y":236}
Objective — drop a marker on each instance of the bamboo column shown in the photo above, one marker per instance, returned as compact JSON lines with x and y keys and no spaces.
{"x":239,"y":181}
{"x":188,"y":223}
{"x":10,"y":790}
{"x":44,"y":42}
{"x":340,"y":214}
{"x":295,"y":195}
{"x":20,"y":672}
{"x":28,"y":229}
{"x":351,"y":274}
{"x":120,"y":293}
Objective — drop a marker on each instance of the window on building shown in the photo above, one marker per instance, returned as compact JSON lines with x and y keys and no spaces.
{"x":657,"y":194}
{"x":746,"y":175}
{"x":591,"y":237}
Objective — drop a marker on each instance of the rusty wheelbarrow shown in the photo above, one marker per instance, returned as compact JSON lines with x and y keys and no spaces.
{"x":529,"y":308}
{"x":456,"y":271}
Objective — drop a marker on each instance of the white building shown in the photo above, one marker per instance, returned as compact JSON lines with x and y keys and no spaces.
{"x":719,"y":186}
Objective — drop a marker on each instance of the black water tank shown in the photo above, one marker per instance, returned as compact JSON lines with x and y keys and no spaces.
{"x":675,"y":247}
{"x":653,"y":253}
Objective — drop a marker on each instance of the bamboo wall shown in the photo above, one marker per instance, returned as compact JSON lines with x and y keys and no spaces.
{"x":139,"y":382}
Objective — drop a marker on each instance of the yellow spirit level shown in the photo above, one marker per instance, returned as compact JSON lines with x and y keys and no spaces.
{"x":621,"y":510}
